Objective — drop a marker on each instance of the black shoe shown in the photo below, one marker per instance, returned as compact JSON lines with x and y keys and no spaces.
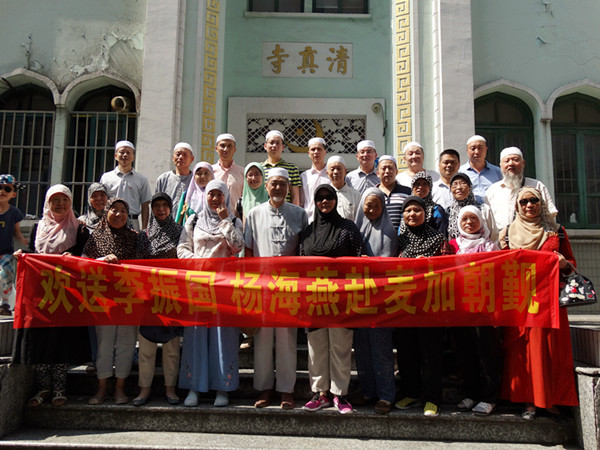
{"x":139,"y":401}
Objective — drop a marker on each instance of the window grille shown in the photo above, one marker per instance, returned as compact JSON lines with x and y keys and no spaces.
{"x":341,"y":133}
{"x":90,"y":149}
{"x":26,"y":151}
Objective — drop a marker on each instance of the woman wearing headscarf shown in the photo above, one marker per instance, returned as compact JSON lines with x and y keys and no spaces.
{"x":435,"y":215}
{"x":194,"y":198}
{"x":97,"y":198}
{"x":159,"y":241}
{"x":461,"y":189}
{"x":210,"y":355}
{"x":51,"y":349}
{"x":420,"y":349}
{"x":254,"y":193}
{"x":538,"y":362}
{"x":477,"y":348}
{"x":329,"y":349}
{"x":374,"y":350}
{"x":111,"y":242}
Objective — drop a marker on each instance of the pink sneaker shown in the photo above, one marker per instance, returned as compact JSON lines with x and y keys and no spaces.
{"x":317,"y":402}
{"x":342,"y":404}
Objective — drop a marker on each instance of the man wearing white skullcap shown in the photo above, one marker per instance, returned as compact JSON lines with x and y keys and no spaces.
{"x":365,"y":176}
{"x":348,"y":197}
{"x":175,"y":182}
{"x":314,"y":176}
{"x":482,"y":173}
{"x":394,"y":193}
{"x":273,"y":229}
{"x":501,"y":196}
{"x":274,"y":146}
{"x":133,"y":187}
{"x":227,"y":170}
{"x":414,"y":155}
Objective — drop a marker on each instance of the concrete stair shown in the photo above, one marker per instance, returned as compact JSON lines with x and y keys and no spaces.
{"x":241,"y":418}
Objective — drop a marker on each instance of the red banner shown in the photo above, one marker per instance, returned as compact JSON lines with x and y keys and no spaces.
{"x":509,"y":288}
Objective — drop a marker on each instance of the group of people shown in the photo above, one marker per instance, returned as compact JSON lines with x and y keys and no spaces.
{"x":271,"y":209}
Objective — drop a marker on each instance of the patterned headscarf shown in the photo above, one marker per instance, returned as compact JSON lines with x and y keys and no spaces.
{"x":163,"y":235}
{"x":428,"y":199}
{"x":93,"y":216}
{"x":454,"y":209}
{"x":477,"y":242}
{"x":421,"y":240}
{"x":106,"y":240}
{"x":56,"y":234}
{"x":379,"y":235}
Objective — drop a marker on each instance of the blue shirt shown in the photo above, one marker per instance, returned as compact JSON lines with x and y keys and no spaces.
{"x":362,"y":181}
{"x":482,"y":180}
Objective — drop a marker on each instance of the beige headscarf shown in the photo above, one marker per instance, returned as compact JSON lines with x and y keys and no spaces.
{"x":523,"y":232}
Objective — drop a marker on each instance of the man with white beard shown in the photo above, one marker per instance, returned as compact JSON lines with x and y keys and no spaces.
{"x":501,"y":195}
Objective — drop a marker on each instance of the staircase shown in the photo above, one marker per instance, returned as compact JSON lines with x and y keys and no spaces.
{"x":241,"y":418}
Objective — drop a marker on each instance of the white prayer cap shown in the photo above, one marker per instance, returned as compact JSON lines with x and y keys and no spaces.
{"x":336,"y":159}
{"x":273,"y":133}
{"x":412,"y":144}
{"x":364,"y":144}
{"x":476,"y":138}
{"x":184,"y":145}
{"x":120,"y":144}
{"x":224,"y":136}
{"x":317,"y":140}
{"x":510,"y":151}
{"x":278,"y":172}
{"x":388,"y":158}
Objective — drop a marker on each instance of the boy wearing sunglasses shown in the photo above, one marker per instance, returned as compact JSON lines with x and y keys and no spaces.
{"x":9,"y":228}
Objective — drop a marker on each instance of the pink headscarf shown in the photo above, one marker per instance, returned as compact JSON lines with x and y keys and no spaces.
{"x":56,"y":234}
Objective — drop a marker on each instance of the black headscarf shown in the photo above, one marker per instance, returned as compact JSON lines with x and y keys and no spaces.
{"x":163,"y":235}
{"x":421,"y":240}
{"x":457,"y":205}
{"x":322,"y":236}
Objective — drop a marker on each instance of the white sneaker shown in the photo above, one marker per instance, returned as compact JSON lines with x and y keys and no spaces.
{"x":191,"y":399}
{"x":222,"y":398}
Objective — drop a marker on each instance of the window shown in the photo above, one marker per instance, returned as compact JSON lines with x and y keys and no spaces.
{"x":94,"y":129}
{"x":576,"y":158}
{"x":276,"y":5}
{"x":505,"y":121}
{"x":341,"y":6}
{"x":26,"y":141}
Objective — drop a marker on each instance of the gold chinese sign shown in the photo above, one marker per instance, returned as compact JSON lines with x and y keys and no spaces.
{"x":307,"y":60}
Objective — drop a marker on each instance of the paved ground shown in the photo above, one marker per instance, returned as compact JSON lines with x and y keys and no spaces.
{"x":164,"y":440}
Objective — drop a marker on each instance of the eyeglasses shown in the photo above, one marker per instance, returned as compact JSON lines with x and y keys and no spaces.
{"x":459,"y":184}
{"x":320,"y":198}
{"x":532,"y":200}
{"x":7,"y":188}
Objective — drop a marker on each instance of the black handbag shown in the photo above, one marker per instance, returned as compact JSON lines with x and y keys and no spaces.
{"x":576,"y":290}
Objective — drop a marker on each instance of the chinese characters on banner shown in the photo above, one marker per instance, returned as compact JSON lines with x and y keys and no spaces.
{"x":307,"y":60}
{"x":517,"y":288}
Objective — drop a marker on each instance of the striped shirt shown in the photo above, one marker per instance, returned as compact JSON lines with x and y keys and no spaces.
{"x":394,"y":203}
{"x":293,"y":172}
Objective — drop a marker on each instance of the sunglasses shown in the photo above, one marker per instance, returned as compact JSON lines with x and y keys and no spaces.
{"x":532,"y":200}
{"x":320,"y":198}
{"x":7,"y":188}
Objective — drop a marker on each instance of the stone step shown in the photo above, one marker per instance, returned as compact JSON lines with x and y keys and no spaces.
{"x":241,"y":418}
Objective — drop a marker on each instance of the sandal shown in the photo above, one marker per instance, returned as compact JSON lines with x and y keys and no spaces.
{"x":528,"y":415}
{"x":59,"y":398}
{"x":39,"y":398}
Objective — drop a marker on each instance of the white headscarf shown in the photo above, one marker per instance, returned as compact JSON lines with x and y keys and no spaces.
{"x":195,"y":194}
{"x":56,"y":234}
{"x":477,"y":242}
